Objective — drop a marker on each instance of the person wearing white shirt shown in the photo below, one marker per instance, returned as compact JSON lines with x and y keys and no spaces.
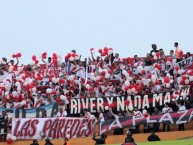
{"x":166,"y":109}
{"x":137,"y":114}
{"x":181,"y":107}
{"x":62,"y":112}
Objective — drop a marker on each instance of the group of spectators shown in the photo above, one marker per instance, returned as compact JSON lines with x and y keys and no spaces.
{"x":101,"y":76}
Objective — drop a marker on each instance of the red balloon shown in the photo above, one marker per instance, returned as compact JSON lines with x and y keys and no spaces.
{"x":18,"y":54}
{"x":54,"y":92}
{"x":182,"y":82}
{"x":157,"y":82}
{"x":103,"y":73}
{"x":36,"y":61}
{"x":181,"y":53}
{"x":54,"y":61}
{"x":13,"y":55}
{"x":167,"y":80}
{"x":106,"y":50}
{"x":104,"y":54}
{"x":33,"y":57}
{"x":177,"y":68}
{"x":184,"y":78}
{"x":149,"y":76}
{"x":146,"y":115}
{"x":9,"y":141}
{"x":91,"y":49}
{"x":58,"y":100}
{"x":111,"y":106}
{"x":45,"y":53}
{"x":143,"y":72}
{"x":157,"y":54}
{"x":73,"y":55}
{"x":44,"y":56}
{"x":100,"y":51}
{"x":54,"y":55}
{"x":170,"y":59}
{"x":61,"y":103}
{"x":126,"y":102}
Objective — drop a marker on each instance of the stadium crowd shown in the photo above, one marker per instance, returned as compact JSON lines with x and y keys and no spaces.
{"x":105,"y":75}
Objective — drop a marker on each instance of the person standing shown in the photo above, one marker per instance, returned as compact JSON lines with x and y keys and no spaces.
{"x":181,"y":107}
{"x":100,"y":140}
{"x":3,"y":126}
{"x":157,"y":124}
{"x":166,"y":109}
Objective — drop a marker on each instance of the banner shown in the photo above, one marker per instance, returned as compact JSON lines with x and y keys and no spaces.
{"x":44,"y":82}
{"x":141,"y":101}
{"x":186,"y":62}
{"x":169,"y":118}
{"x":50,"y":110}
{"x":54,"y":128}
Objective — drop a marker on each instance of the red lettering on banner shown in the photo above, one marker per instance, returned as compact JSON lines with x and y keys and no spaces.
{"x":16,"y":132}
{"x":89,"y":129}
{"x":25,"y":128}
{"x":47,"y":125}
{"x":75,"y":127}
{"x":60,"y":129}
{"x":53,"y":129}
{"x":33,"y":127}
{"x":83,"y":127}
{"x":67,"y":127}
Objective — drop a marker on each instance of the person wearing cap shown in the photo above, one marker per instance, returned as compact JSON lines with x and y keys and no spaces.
{"x":35,"y":142}
{"x":153,"y":136}
{"x":48,"y":142}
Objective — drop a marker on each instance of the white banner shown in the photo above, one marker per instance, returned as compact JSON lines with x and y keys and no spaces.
{"x":54,"y":128}
{"x":185,"y":62}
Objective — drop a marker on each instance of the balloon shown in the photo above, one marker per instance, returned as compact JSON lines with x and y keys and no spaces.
{"x":36,"y":61}
{"x":130,"y":108}
{"x":191,"y":78}
{"x":67,"y":102}
{"x":181,"y":53}
{"x":106,"y":107}
{"x":170,"y":59}
{"x":126,"y":102}
{"x":111,"y":106}
{"x":168,"y":85}
{"x":18,"y":54}
{"x":9,"y":141}
{"x":143,"y":72}
{"x":67,"y":136}
{"x":33,"y":57}
{"x":187,"y":81}
{"x":13,"y":138}
{"x":144,"y":111}
{"x":107,"y":76}
{"x":100,"y":51}
{"x":92,"y":117}
{"x":9,"y":136}
{"x":87,"y":86}
{"x":63,"y":98}
{"x":184,"y":77}
{"x":177,"y":68}
{"x":127,"y":83}
{"x":179,"y":79}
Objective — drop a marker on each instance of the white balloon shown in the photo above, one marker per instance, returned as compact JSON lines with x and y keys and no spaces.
{"x":107,"y":75}
{"x":129,"y":78}
{"x":67,"y":102}
{"x":187,"y":81}
{"x":62,"y":97}
{"x":6,"y":93}
{"x":127,"y":83}
{"x":171,"y":81}
{"x":124,"y":72}
{"x":110,"y":52}
{"x":59,"y":59}
{"x":76,"y":58}
{"x":9,"y":136}
{"x":87,"y":86}
{"x":23,"y":102}
{"x":92,"y":117}
{"x":17,"y":84}
{"x":9,"y":116}
{"x":54,"y":80}
{"x":18,"y":89}
{"x":71,"y":77}
{"x":34,"y":89}
{"x":153,"y":53}
{"x":140,"y":68}
{"x":144,"y":111}
{"x":13,"y":138}
{"x":130,"y":108}
{"x":19,"y":69}
{"x":181,"y":71}
{"x":106,"y":107}
{"x":168,"y":85}
{"x":48,"y":90}
{"x":67,"y":136}
{"x":179,"y":79}
{"x":155,"y":57}
{"x":14,"y":93}
{"x":191,"y":78}
{"x":92,"y":51}
{"x":71,"y":58}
